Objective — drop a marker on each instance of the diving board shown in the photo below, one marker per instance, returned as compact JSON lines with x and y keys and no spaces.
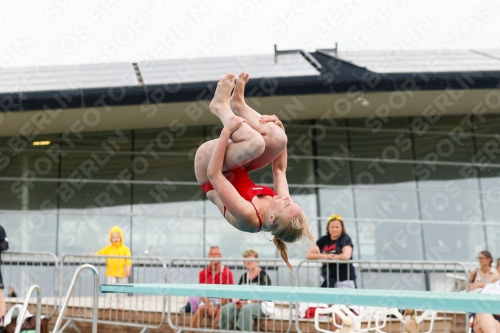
{"x":429,"y":300}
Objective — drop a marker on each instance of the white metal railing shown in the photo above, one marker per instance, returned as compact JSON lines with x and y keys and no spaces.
{"x":189,"y":270}
{"x":21,"y":270}
{"x":22,"y":312}
{"x":95,"y":295}
{"x":142,"y":311}
{"x":152,"y":312}
{"x":390,"y":275}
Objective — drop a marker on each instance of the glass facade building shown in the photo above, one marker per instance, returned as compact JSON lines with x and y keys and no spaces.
{"x":408,"y":189}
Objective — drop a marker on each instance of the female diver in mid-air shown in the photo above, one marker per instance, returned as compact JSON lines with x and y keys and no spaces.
{"x":249,"y":141}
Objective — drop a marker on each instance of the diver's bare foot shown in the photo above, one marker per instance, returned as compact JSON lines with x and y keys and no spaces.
{"x":238,"y":96}
{"x":220,"y":102}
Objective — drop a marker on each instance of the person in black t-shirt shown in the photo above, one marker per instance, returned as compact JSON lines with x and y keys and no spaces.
{"x":243,"y":312}
{"x":336,"y":245}
{"x":4,"y":246}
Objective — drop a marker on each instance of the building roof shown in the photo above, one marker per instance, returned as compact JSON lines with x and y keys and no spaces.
{"x":305,"y":85}
{"x":57,"y":78}
{"x":210,"y":69}
{"x":422,"y":61}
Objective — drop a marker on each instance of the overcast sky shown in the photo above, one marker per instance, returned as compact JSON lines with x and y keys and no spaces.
{"x":75,"y":32}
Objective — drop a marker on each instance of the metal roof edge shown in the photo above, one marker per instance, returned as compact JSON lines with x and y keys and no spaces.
{"x":326,"y":83}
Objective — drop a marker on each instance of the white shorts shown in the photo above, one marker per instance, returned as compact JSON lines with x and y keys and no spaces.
{"x":213,"y":300}
{"x":347,"y":284}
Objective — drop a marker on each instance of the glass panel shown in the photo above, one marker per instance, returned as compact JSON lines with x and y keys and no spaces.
{"x":391,"y":142}
{"x":384,"y":147}
{"x":446,"y":199}
{"x":171,"y":215}
{"x":300,"y":168}
{"x":453,"y":242}
{"x":451,"y":145}
{"x":94,"y":195}
{"x":103,"y":155}
{"x":233,"y":242}
{"x":336,"y":201}
{"x":178,"y":197}
{"x":375,"y":172}
{"x":485,"y":124}
{"x":388,"y":240}
{"x":447,"y":193}
{"x":36,"y":159}
{"x":493,"y":236}
{"x":173,"y":237}
{"x":30,"y":232}
{"x":490,"y":198}
{"x":166,"y":153}
{"x":488,"y":152}
{"x":87,"y":230}
{"x":28,"y":195}
{"x":108,"y":143}
{"x":331,"y":144}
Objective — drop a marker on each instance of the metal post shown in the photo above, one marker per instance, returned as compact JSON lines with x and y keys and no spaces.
{"x":70,"y":292}
{"x":22,"y":313}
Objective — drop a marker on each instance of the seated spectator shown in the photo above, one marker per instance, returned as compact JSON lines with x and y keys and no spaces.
{"x":243,"y":312}
{"x":484,"y":274}
{"x":214,"y":273}
{"x":12,"y":292}
{"x":487,"y":322}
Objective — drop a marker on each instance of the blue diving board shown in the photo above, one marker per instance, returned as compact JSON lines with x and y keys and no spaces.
{"x":429,"y":300}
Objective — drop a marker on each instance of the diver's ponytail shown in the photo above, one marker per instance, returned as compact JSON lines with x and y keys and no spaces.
{"x":283,"y":251}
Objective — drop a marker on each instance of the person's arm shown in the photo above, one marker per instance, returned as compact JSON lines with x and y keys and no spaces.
{"x":315,"y":254}
{"x":279,"y":175}
{"x":241,"y":211}
{"x":202,"y":280}
{"x":128,"y":263}
{"x":345,"y":255}
{"x":279,"y":164}
{"x":102,"y":251}
{"x":494,"y":276}
{"x":208,"y":304}
{"x":472,"y":274}
{"x":345,"y":245}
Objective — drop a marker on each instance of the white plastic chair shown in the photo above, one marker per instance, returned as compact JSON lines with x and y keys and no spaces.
{"x":381,"y":316}
{"x":344,"y":312}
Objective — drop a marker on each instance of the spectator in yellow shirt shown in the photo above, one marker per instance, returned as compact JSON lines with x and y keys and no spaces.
{"x":117,"y":270}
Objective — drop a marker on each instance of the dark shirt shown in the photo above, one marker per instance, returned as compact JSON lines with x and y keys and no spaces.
{"x":262,"y":279}
{"x":336,"y":272}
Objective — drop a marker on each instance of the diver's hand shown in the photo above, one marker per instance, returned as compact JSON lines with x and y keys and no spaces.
{"x":234,"y":124}
{"x":271,"y":119}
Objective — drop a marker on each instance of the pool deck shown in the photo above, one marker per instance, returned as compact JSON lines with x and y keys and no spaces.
{"x":140,"y":311}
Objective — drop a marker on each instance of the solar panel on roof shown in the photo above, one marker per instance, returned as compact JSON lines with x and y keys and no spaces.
{"x":9,"y":79}
{"x":398,"y":61}
{"x":107,"y":75}
{"x":46,"y":78}
{"x":212,"y":69}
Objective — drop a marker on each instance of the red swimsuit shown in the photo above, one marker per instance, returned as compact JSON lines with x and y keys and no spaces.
{"x":245,"y":186}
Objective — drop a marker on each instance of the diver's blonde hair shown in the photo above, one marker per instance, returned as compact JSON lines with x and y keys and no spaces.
{"x":290,"y":231}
